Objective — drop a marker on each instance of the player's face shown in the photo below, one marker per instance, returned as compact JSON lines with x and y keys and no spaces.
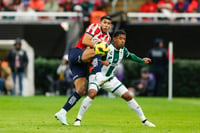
{"x":105,"y":25}
{"x":119,"y":41}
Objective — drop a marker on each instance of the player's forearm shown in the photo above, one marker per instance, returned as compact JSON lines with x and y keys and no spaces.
{"x":87,"y":40}
{"x":88,"y":43}
{"x":133,"y":57}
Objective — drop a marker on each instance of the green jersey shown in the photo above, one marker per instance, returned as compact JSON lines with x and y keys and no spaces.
{"x":115,"y":56}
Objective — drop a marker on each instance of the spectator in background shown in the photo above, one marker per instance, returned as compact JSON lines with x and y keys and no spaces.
{"x":87,"y":7}
{"x":9,"y":5}
{"x":66,"y":5}
{"x":97,"y":3}
{"x":77,"y":8}
{"x":95,"y":16}
{"x":59,"y":1}
{"x":145,"y":85}
{"x":3,"y":6}
{"x":181,"y":6}
{"x":13,"y":5}
{"x":65,"y":82}
{"x":17,"y":4}
{"x":159,"y":58}
{"x":6,"y":81}
{"x":51,"y":6}
{"x":165,"y":6}
{"x":25,"y":7}
{"x":155,"y":1}
{"x":148,"y":6}
{"x":18,"y":61}
{"x":6,"y":5}
{"x":193,"y":6}
{"x":37,"y":5}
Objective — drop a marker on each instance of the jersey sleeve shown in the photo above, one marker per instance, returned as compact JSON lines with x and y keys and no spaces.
{"x":131,"y":56}
{"x":93,"y":29}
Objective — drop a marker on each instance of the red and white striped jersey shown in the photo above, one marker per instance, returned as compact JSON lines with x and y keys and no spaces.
{"x":97,"y":35}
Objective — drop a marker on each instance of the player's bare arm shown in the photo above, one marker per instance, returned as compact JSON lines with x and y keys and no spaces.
{"x":87,"y":40}
{"x":106,"y":63}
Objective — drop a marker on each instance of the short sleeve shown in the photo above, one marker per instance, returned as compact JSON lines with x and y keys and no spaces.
{"x":93,"y":29}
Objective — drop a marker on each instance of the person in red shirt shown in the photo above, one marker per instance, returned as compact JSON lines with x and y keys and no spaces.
{"x":2,"y":6}
{"x":193,"y":6}
{"x":78,"y":61}
{"x":37,"y":5}
{"x":165,"y":6}
{"x":148,"y":6}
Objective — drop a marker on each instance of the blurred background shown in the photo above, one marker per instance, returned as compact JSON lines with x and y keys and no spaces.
{"x":47,"y":29}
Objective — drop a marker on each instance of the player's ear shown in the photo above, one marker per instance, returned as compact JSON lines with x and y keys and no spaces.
{"x":114,"y":39}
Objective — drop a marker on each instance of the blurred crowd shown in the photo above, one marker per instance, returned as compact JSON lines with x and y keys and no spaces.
{"x":168,"y":6}
{"x":171,"y":6}
{"x":93,"y":8}
{"x":87,"y":6}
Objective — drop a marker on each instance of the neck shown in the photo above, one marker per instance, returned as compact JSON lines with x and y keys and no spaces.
{"x":118,"y":48}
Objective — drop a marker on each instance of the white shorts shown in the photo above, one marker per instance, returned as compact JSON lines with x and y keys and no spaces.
{"x":114,"y":86}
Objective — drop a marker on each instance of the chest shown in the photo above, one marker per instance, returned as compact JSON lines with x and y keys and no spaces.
{"x":101,"y":37}
{"x":114,"y":57}
{"x":157,"y":53}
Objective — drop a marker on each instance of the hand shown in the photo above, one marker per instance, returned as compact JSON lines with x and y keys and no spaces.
{"x":106,"y":63}
{"x":147,"y":60}
{"x":140,"y":86}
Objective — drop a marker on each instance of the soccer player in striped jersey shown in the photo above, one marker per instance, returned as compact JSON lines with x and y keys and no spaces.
{"x":114,"y":57}
{"x":78,"y":62}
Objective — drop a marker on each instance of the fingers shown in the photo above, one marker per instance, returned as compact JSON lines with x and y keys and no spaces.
{"x":147,"y":60}
{"x":105,"y":63}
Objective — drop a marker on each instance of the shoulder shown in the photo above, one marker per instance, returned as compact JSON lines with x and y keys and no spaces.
{"x":22,"y":52}
{"x":124,"y":49}
{"x":93,"y":28}
{"x":110,"y":45}
{"x":94,"y":25}
{"x":108,"y":35}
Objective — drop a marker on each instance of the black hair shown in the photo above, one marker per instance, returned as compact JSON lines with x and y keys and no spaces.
{"x":106,"y":17}
{"x":119,"y":32}
{"x":145,"y":70}
{"x":158,"y":40}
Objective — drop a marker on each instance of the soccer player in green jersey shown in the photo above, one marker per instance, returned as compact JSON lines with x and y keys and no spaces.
{"x":114,"y":57}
